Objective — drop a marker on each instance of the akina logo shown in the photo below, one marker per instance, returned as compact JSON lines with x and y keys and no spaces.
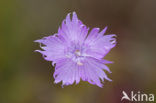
{"x":138,"y":96}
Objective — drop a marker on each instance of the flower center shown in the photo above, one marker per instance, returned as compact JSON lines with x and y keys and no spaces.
{"x":77,"y":53}
{"x":78,"y":57}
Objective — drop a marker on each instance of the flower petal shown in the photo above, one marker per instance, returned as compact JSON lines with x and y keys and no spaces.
{"x":66,"y":71}
{"x":92,"y":71}
{"x":73,"y":30}
{"x":92,"y":35}
{"x":53,"y":49}
{"x":101,"y":46}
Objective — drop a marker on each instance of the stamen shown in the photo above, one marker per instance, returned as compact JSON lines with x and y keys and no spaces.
{"x":79,"y":63}
{"x":77,"y":52}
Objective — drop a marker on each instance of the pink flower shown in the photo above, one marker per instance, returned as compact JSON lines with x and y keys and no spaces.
{"x":77,"y":53}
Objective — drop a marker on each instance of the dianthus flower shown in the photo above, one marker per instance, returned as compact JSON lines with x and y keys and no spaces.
{"x":76,"y":53}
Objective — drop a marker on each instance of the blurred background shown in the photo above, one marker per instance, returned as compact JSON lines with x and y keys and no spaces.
{"x":25,"y":77}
